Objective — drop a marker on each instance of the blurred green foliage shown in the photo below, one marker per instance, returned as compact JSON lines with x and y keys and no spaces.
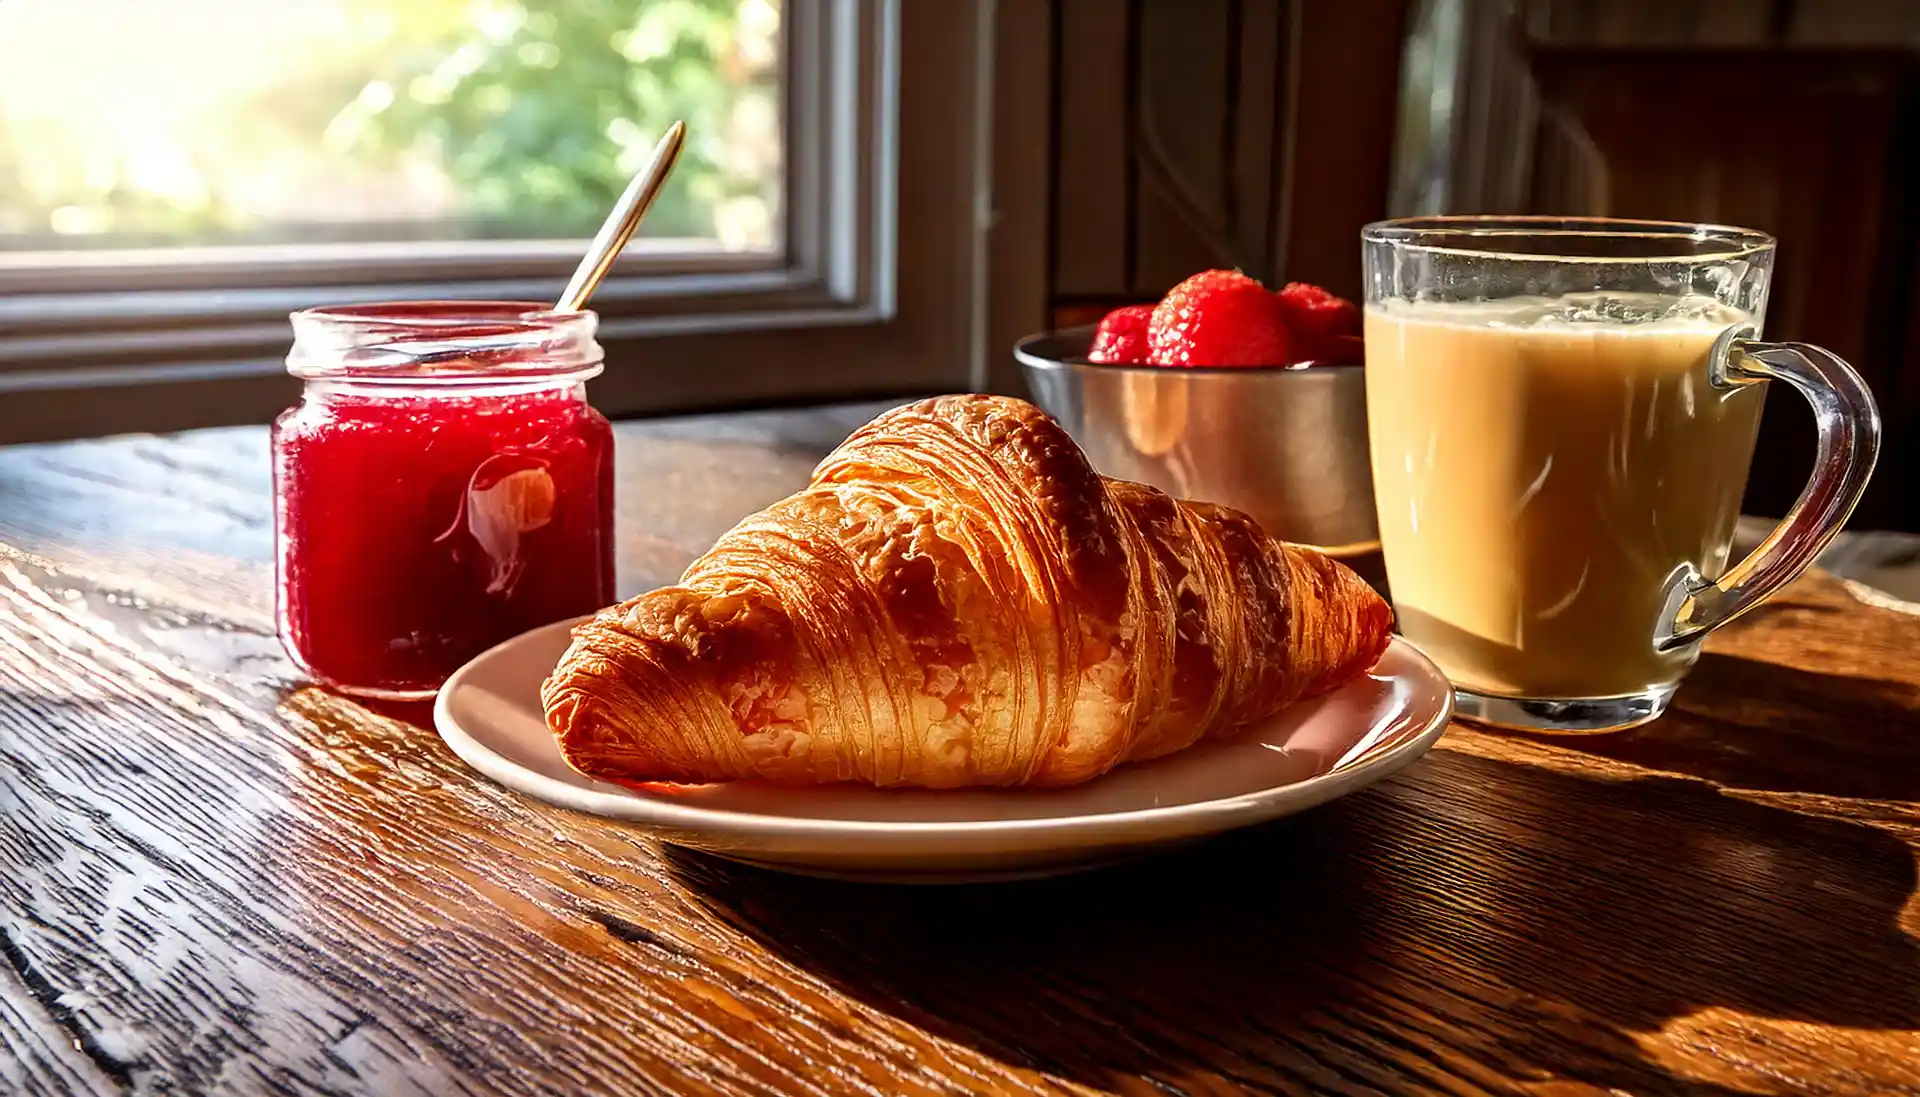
{"x":437,"y":119}
{"x":542,"y":112}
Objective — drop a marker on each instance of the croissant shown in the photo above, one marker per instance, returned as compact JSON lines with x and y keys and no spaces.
{"x":957,"y":598}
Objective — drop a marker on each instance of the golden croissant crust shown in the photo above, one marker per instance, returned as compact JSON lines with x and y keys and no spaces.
{"x":958,"y":599}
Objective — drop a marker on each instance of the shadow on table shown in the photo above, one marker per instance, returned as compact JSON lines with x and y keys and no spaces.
{"x":1749,"y":724}
{"x":1525,"y":923}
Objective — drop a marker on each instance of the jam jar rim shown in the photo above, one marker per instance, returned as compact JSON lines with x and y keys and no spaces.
{"x":433,"y":343}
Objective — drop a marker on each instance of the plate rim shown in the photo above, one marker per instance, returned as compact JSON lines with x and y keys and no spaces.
{"x":659,"y":812}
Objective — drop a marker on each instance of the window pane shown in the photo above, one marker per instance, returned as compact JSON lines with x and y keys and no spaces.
{"x":155,"y":123}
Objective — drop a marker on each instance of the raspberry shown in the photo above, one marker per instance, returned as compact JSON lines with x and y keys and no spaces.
{"x":1321,"y":324}
{"x":1218,"y":318}
{"x":1122,"y":337}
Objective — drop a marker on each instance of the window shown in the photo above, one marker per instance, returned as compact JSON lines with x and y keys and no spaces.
{"x":204,"y":122}
{"x":202,"y":167}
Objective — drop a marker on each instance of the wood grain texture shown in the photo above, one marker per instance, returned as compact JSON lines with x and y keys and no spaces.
{"x":37,"y":1052}
{"x":217,"y":879}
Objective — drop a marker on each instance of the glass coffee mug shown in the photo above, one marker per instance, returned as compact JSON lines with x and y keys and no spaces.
{"x":1562,"y":414}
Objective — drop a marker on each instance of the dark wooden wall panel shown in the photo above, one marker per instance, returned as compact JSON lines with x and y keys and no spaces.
{"x":1093,"y":168}
{"x":1187,"y":55}
{"x":1613,"y":22}
{"x":1260,"y":118}
{"x":1217,"y":133}
{"x":1341,"y":139}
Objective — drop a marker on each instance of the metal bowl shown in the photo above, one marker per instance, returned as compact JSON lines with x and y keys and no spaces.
{"x":1287,"y":446}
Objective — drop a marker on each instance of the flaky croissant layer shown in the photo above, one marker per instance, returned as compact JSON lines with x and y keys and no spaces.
{"x":957,"y":598}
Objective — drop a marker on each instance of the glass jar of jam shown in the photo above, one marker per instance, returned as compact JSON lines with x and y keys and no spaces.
{"x":441,"y":486}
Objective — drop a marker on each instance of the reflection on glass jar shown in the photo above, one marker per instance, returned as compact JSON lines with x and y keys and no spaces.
{"x":442,"y":485}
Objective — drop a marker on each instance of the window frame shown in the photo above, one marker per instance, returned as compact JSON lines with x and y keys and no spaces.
{"x":105,"y":342}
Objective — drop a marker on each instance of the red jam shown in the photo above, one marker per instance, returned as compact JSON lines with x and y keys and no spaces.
{"x":420,"y":524}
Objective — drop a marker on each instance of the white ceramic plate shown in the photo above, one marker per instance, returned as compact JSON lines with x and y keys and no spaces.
{"x":489,"y":713}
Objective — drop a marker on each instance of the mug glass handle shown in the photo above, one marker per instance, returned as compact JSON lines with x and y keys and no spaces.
{"x":1849,"y":443}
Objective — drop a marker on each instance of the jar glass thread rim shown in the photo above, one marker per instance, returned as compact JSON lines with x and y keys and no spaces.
{"x":443,"y":342}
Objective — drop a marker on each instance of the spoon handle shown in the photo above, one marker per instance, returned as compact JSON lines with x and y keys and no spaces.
{"x":618,"y":228}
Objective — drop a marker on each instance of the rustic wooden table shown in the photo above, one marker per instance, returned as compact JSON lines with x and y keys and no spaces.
{"x":217,"y":879}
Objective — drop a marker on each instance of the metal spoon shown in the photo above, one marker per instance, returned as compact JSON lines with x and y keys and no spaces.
{"x":618,"y":228}
{"x":614,"y":233}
